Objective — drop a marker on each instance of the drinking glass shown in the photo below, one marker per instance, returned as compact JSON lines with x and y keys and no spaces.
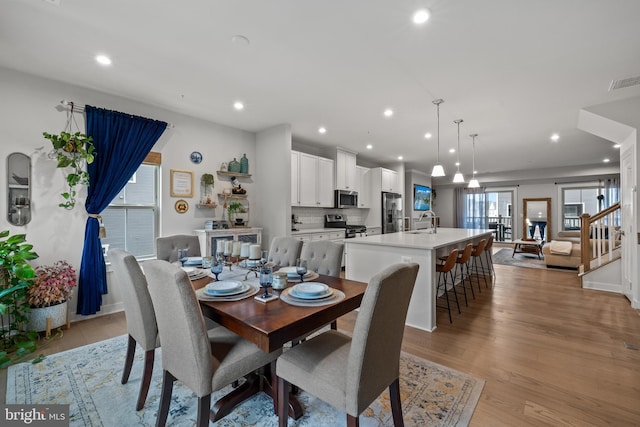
{"x":217,"y":266}
{"x":183,"y":254}
{"x":301,"y":268}
{"x":266,"y":278}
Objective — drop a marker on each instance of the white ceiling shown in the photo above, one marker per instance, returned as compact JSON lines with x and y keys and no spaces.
{"x":515,"y":71}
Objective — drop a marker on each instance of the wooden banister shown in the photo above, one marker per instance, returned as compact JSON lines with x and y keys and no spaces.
{"x":586,"y":236}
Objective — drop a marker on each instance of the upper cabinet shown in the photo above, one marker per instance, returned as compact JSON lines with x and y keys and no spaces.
{"x":390,"y":181}
{"x":311,"y":180}
{"x":364,"y":187}
{"x":346,"y":174}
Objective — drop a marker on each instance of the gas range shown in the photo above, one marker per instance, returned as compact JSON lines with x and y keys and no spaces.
{"x":350,"y":231}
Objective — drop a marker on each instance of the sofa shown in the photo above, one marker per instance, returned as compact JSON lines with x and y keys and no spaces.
{"x":573,"y":260}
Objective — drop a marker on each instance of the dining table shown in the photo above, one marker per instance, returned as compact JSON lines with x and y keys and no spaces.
{"x":272,"y":325}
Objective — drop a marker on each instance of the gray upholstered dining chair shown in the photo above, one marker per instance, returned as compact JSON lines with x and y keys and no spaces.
{"x":284,"y":251}
{"x":351,"y":372}
{"x":167,"y":247}
{"x":324,"y":257}
{"x":141,"y":319}
{"x":203,"y":361}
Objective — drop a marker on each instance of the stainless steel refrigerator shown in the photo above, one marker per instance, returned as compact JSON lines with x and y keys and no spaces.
{"x":391,"y":212}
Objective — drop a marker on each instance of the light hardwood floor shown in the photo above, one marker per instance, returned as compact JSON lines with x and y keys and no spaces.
{"x":550,"y":352}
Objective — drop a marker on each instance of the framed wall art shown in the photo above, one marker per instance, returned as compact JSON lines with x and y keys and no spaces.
{"x":181,"y":183}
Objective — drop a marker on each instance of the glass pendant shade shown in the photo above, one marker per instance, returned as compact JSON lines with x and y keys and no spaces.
{"x":438,"y":170}
{"x":474,"y":183}
{"x":458,"y":177}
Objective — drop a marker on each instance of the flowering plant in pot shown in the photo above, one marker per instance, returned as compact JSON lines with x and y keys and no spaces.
{"x":53,"y":285}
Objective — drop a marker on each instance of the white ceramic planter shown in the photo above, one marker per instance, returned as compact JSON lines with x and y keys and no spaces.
{"x":38,"y":317}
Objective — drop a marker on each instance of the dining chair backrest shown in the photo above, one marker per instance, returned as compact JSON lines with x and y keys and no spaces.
{"x":324,"y":257}
{"x":489,"y":244}
{"x":284,"y":251}
{"x":374,"y":357}
{"x":186,"y":351}
{"x":167,"y":247}
{"x":138,"y":308}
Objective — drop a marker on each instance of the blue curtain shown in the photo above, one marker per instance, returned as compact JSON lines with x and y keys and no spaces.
{"x":121,"y":141}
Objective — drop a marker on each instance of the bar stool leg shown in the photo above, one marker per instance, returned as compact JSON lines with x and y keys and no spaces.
{"x":453,"y":288}
{"x":446,"y":295}
{"x":464,"y":290}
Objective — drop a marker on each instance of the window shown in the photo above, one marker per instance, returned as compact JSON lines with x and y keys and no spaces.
{"x":578,"y":200}
{"x":490,"y":209}
{"x":131,"y":219}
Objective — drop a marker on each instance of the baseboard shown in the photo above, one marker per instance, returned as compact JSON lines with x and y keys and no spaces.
{"x":602,"y":286}
{"x":104,"y":310}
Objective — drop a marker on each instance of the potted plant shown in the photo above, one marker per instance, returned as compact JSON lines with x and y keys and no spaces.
{"x":72,"y":150}
{"x":49,"y":294}
{"x":207,"y":181}
{"x":233,"y":209}
{"x":16,"y":276}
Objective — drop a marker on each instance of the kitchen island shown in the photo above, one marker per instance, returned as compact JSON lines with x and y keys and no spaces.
{"x":365,"y":256}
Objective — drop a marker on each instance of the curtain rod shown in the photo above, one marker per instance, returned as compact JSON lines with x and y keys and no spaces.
{"x":80,"y":109}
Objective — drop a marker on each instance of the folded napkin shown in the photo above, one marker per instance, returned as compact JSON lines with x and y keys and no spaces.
{"x":557,"y":247}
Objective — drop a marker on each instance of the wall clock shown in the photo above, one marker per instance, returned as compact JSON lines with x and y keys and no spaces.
{"x":196,"y":157}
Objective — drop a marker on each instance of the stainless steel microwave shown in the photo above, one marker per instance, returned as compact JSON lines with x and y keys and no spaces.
{"x":346,"y":199}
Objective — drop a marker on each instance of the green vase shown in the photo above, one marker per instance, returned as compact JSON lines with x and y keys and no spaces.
{"x":234,"y":165}
{"x":244,"y":164}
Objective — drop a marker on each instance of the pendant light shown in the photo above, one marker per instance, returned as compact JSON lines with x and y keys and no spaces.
{"x":438,"y":170}
{"x":473,"y":183}
{"x":458,"y":177}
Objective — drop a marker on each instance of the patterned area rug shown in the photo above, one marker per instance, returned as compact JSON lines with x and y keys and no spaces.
{"x":88,"y":378}
{"x":503,"y":256}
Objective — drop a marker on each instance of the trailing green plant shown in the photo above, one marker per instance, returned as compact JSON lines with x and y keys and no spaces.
{"x":72,"y":150}
{"x":207,"y":179}
{"x":16,"y":276}
{"x":234,"y":208}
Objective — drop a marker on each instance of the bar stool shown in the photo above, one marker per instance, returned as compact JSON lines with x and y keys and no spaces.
{"x":442,"y":270}
{"x":489,"y":256}
{"x":476,"y":255}
{"x":462,"y":262}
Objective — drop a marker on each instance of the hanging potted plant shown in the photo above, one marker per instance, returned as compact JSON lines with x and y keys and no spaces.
{"x":72,"y":151}
{"x":207,"y":181}
{"x":49,"y":295}
{"x":16,"y":276}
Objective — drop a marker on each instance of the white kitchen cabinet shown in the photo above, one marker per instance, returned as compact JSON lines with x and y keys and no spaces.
{"x":346,"y":174}
{"x":314,"y":184}
{"x":390,"y":181}
{"x":295,"y":178}
{"x":364,"y":187}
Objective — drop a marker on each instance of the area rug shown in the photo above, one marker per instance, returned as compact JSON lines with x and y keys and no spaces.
{"x":504,"y":257}
{"x":88,"y":378}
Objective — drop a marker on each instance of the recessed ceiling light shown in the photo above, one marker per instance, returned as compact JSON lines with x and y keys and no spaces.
{"x":555,"y":137}
{"x":400,"y":157}
{"x":369,"y":146}
{"x":103,"y":60}
{"x":322,"y":129}
{"x":427,"y":135}
{"x":240,"y":40}
{"x":616,"y":145}
{"x":452,"y":150}
{"x":238,"y":105}
{"x":421,"y":16}
{"x":388,"y":112}
{"x":606,"y":160}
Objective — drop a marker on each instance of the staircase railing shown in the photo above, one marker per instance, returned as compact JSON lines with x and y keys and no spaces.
{"x":600,"y":237}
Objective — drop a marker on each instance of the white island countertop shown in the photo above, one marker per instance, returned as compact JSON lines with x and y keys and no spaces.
{"x":421,"y":239}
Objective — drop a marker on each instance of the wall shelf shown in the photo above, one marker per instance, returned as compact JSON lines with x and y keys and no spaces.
{"x":233,"y":196}
{"x":207,"y":205}
{"x":236,"y":174}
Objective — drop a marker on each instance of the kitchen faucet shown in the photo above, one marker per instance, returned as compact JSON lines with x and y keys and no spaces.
{"x":432,"y":215}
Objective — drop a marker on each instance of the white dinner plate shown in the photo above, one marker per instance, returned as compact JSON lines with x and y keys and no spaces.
{"x":225,"y":287}
{"x":310,"y":289}
{"x":189,"y":270}
{"x":306,"y":297}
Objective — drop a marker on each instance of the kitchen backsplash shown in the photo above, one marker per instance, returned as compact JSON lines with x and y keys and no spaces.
{"x":311,"y":218}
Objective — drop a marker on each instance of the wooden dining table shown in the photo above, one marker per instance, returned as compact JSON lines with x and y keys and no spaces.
{"x":270,"y":326}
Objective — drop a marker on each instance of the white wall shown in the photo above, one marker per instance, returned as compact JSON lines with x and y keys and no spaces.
{"x":31,"y":106}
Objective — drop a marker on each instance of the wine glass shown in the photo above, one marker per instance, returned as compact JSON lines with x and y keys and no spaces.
{"x":263,"y":257}
{"x":217,"y":266}
{"x":266,"y":278}
{"x":301,"y":268}
{"x":183,"y":255}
